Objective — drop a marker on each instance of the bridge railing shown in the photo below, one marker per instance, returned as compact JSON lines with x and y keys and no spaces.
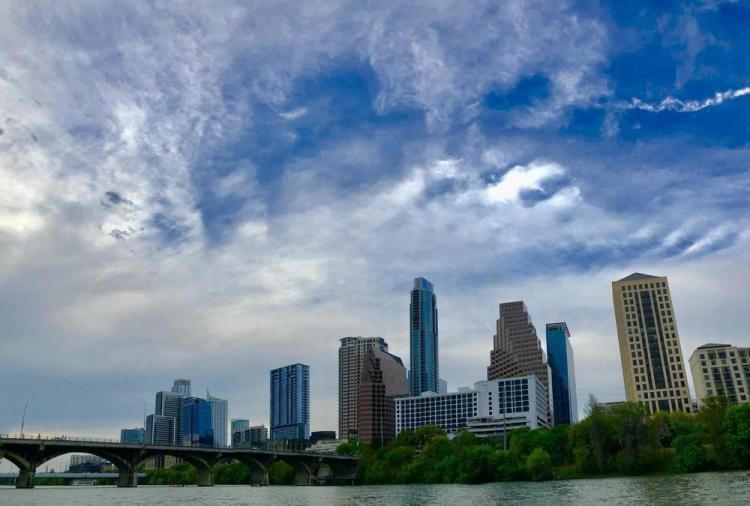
{"x":57,"y":437}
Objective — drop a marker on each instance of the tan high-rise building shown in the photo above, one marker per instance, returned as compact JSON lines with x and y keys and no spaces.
{"x":721,"y":370}
{"x":351,"y":354}
{"x":517,"y":348}
{"x":652,"y":364}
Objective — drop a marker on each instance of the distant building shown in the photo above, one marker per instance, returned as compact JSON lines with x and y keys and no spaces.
{"x":517,"y":349}
{"x":197,"y":426}
{"x":351,"y":353}
{"x":611,"y":406}
{"x":169,"y":404}
{"x":562,"y":368}
{"x":132,"y":436}
{"x":491,"y":408}
{"x":182,"y":386}
{"x":86,"y":464}
{"x":442,"y":386}
{"x":383,"y":379}
{"x":424,"y":372}
{"x":160,"y":430}
{"x":256,"y":436}
{"x":721,"y":370}
{"x":239,"y":425}
{"x":290,"y":402}
{"x":219,"y":417}
{"x":325,"y":446}
{"x":652,"y":364}
{"x":322,"y":435}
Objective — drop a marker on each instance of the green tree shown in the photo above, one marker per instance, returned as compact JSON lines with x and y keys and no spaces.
{"x":690,"y":455}
{"x":280,"y":473}
{"x":736,"y":428}
{"x":349,"y":448}
{"x":539,"y":465}
{"x":635,"y":435}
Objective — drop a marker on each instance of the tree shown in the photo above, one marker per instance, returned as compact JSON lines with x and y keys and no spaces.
{"x":349,"y":448}
{"x":539,"y":465}
{"x":598,"y":434}
{"x":737,"y":435}
{"x":634,"y":434}
{"x":280,"y":473}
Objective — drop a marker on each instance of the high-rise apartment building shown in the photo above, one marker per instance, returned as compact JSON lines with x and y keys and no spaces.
{"x":383,"y":379}
{"x":197,"y":426}
{"x":721,"y":370}
{"x":652,"y":364}
{"x":423,"y":325}
{"x":182,"y":386}
{"x":160,"y":430}
{"x":290,"y":402}
{"x":169,"y":404}
{"x":219,"y":417}
{"x":239,"y":425}
{"x":351,"y":353}
{"x":517,"y":348}
{"x":562,"y":369}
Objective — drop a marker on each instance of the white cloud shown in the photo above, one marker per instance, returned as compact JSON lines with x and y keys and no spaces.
{"x":294,"y":114}
{"x":520,"y":178}
{"x":677,"y":105}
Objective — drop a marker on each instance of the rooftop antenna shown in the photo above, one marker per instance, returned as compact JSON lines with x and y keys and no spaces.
{"x":23,"y":418}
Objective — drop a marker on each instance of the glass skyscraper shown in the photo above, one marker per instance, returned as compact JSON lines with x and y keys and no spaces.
{"x":197,"y":424}
{"x":423,"y":325}
{"x":290,"y":402}
{"x":560,"y":359}
{"x":219,"y":415}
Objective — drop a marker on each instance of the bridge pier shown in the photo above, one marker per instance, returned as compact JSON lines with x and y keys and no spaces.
{"x":127,"y":479}
{"x":205,"y":477}
{"x":26,"y":478}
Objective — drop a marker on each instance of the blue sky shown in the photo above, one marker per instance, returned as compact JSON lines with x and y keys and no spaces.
{"x":211,"y":191}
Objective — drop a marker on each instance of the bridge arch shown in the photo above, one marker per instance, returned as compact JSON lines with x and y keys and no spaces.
{"x":205,"y":477}
{"x":258,"y":469}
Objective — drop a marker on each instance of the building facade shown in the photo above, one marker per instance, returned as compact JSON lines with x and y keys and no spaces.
{"x":491,"y":408}
{"x":219,"y":418}
{"x":169,"y":404}
{"x":238,"y":428}
{"x":290,"y":402}
{"x":562,"y":370}
{"x":517,"y":350}
{"x":424,"y":365}
{"x":383,"y":379}
{"x":197,"y":425}
{"x":351,"y":353}
{"x":182,"y":386}
{"x":160,"y":430}
{"x":721,"y":370}
{"x":132,"y":436}
{"x":652,"y":363}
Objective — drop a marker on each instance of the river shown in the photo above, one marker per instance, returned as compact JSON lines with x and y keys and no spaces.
{"x":684,"y":489}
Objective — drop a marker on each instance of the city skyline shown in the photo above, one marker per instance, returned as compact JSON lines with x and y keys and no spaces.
{"x":194,"y":193}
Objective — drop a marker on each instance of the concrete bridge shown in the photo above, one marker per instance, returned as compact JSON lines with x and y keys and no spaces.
{"x":310,"y":468}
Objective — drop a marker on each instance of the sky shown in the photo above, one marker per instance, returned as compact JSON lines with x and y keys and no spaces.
{"x":210,"y":190}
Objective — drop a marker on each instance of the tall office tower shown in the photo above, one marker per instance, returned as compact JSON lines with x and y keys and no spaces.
{"x":721,"y":370}
{"x":160,"y":430}
{"x":219,"y":417}
{"x":652,"y":364}
{"x":182,"y":386}
{"x":170,"y":404}
{"x":423,"y":324}
{"x":256,"y":436}
{"x":197,"y":426}
{"x":517,"y":349}
{"x":290,"y":402}
{"x":383,"y":379}
{"x":560,"y":358}
{"x":351,"y":353}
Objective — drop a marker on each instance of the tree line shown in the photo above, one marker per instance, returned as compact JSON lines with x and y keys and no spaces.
{"x":610,"y":441}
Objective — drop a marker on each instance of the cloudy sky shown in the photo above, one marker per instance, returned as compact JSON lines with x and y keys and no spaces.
{"x":211,"y":190}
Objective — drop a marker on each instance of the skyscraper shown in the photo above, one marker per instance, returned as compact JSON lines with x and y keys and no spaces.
{"x":169,"y":404}
{"x":721,"y":370}
{"x":351,"y":353}
{"x":290,"y":402}
{"x":132,"y":436}
{"x":423,"y":324}
{"x":219,"y":417}
{"x":517,"y":349}
{"x":383,"y":379}
{"x":562,"y":368}
{"x":197,"y":427}
{"x":182,"y":386}
{"x":652,"y":364}
{"x":160,"y":430}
